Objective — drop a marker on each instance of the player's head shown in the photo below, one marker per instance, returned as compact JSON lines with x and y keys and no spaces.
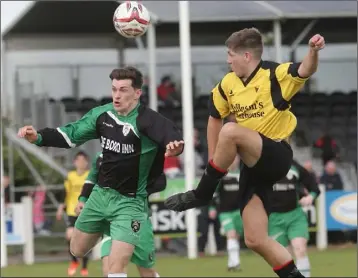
{"x":80,"y":161}
{"x":126,"y":88}
{"x":245,"y":49}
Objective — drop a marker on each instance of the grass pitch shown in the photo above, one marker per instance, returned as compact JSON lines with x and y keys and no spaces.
{"x":334,"y":262}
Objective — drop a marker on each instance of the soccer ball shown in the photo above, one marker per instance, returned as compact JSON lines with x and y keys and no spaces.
{"x":131,"y":19}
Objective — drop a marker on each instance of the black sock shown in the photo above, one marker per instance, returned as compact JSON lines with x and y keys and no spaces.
{"x":209,"y":181}
{"x":85,"y":262}
{"x":73,"y":258}
{"x":288,"y":270}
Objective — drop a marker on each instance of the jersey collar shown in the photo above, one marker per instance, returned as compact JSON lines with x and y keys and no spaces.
{"x":252,"y":75}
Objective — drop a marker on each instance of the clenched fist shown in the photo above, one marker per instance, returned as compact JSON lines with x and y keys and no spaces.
{"x":317,"y":42}
{"x":28,"y":132}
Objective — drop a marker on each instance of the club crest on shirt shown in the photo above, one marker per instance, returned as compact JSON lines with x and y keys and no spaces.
{"x":135,"y":225}
{"x":126,"y":129}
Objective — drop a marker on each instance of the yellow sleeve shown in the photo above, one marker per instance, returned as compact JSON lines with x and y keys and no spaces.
{"x":289,"y":79}
{"x":218,"y":104}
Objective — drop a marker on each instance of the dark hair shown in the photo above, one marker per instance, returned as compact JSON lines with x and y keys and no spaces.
{"x":246,"y":39}
{"x":81,"y":153}
{"x":128,"y":73}
{"x":165,"y":78}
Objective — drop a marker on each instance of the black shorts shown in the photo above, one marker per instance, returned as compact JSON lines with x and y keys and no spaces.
{"x":273,"y":165}
{"x":70,"y":221}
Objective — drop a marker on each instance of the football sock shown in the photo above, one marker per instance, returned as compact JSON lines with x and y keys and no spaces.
{"x":233,"y":249}
{"x":303,"y":265}
{"x":209,"y":181}
{"x":73,"y":258}
{"x":156,"y":274}
{"x":85,"y":262}
{"x":289,"y":269}
{"x":117,"y":275}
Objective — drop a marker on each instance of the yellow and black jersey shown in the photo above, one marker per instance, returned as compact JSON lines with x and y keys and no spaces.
{"x":73,"y":187}
{"x":262,"y":102}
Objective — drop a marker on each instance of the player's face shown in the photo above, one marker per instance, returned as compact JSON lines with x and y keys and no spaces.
{"x":238,"y":62}
{"x":124,"y":95}
{"x":81,"y":163}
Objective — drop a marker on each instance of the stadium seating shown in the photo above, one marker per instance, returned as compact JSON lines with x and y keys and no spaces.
{"x":316,"y":112}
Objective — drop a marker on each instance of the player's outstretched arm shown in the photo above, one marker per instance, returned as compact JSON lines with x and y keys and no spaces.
{"x":161,"y":130}
{"x":309,"y":64}
{"x":68,"y":136}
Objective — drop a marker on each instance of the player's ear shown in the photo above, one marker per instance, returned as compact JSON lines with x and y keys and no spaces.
{"x":138,"y":93}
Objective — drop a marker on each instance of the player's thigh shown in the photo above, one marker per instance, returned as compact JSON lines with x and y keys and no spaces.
{"x":144,"y":253}
{"x":227,"y":222}
{"x":92,"y":218}
{"x":120,"y":255}
{"x":298,"y":227}
{"x":81,"y":242}
{"x":128,"y":215}
{"x":249,"y":142}
{"x":255,"y":222}
{"x":277,"y":228}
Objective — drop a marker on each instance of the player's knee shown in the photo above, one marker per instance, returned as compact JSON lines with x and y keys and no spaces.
{"x":254,"y":241}
{"x":76,"y":249}
{"x":229,"y":131}
{"x":299,"y":250}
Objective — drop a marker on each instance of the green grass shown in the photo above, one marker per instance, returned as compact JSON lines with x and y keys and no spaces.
{"x":335,"y":262}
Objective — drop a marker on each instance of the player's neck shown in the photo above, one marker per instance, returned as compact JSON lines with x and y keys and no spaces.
{"x":129,"y":110}
{"x":250,"y":69}
{"x":80,"y":172}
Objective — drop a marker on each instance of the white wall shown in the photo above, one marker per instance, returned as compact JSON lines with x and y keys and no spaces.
{"x":337,"y":70}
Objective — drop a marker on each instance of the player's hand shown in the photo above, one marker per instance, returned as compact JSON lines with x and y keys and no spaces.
{"x":306,"y":200}
{"x":317,"y":42}
{"x":28,"y":132}
{"x":174,"y":148}
{"x":59,"y":213}
{"x":212,"y":214}
{"x":79,"y":207}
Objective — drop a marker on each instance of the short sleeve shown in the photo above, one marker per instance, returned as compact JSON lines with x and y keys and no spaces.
{"x":289,"y":79}
{"x":218,"y":104}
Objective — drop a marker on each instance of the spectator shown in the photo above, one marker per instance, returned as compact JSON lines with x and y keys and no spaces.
{"x":145,"y":91}
{"x":39,"y":197}
{"x":199,"y":155}
{"x":166,"y":92}
{"x":5,"y":183}
{"x":308,"y":166}
{"x":172,"y":166}
{"x":331,"y":178}
{"x":328,"y":146}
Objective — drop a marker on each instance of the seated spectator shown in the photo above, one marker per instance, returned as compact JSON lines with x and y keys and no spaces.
{"x":308,"y":166}
{"x":166,"y":92}
{"x":39,"y":219}
{"x":172,"y":166}
{"x":328,"y":146}
{"x":331,"y":178}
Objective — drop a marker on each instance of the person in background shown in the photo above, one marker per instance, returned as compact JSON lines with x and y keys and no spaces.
{"x":331,"y":178}
{"x":73,"y":186}
{"x":308,"y":166}
{"x":328,"y":146}
{"x":39,"y":197}
{"x":5,"y":184}
{"x":166,"y":92}
{"x":228,"y":207}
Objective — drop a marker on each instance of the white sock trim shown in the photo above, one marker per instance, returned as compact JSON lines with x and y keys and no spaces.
{"x":303,"y":265}
{"x":156,"y":274}
{"x":117,"y":275}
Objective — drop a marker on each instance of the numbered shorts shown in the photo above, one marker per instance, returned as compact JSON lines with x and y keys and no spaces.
{"x":274,"y":163}
{"x":127,"y":215}
{"x":144,"y":252}
{"x":285,"y":226}
{"x":231,"y":220}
